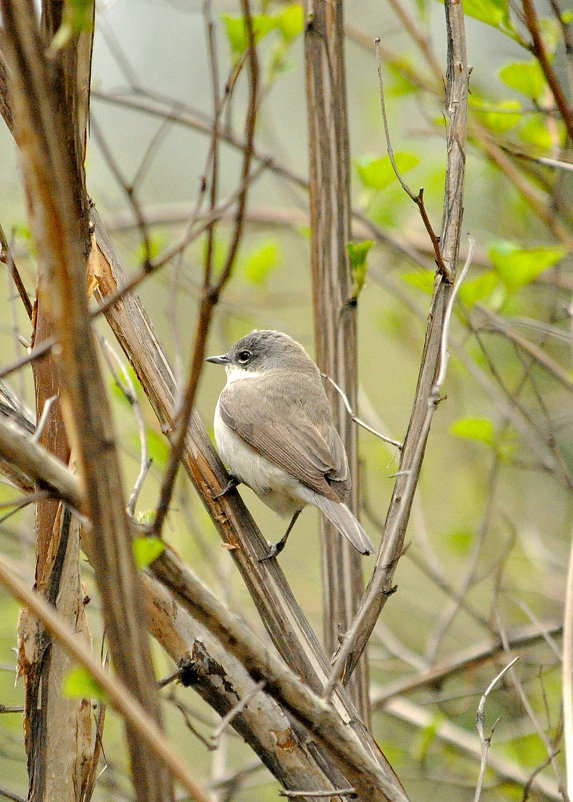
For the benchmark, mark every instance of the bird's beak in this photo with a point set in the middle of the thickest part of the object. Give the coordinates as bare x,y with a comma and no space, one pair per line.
218,360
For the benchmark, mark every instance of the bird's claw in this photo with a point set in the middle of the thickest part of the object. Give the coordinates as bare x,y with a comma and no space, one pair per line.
231,485
274,549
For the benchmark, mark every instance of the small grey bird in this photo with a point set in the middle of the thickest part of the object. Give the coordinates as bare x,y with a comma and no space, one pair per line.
274,429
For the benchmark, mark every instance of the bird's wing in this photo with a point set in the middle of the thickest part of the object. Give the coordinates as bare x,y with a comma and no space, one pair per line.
310,451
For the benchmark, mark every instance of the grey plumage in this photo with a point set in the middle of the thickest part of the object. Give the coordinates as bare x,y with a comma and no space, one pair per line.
274,428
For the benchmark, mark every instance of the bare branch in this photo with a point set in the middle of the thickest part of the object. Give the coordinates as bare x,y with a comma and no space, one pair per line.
480,719
419,198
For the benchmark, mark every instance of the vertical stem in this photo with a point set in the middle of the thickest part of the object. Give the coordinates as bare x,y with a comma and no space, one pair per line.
334,314
57,208
54,723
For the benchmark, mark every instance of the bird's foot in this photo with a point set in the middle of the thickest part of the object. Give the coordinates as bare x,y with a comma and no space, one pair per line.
274,549
231,485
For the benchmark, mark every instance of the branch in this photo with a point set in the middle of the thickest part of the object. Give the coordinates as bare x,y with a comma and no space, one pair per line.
280,612
211,293
567,673
120,696
53,178
340,742
433,364
532,24
480,719
217,676
419,198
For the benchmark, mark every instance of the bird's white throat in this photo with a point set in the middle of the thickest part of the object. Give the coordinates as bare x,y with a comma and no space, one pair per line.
235,372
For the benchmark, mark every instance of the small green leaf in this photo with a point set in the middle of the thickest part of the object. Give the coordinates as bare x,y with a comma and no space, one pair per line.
520,266
551,34
260,262
425,737
79,684
492,12
480,429
156,242
567,16
524,76
460,541
498,116
377,173
290,21
534,131
77,17
157,446
401,68
478,288
237,34
358,255
146,549
145,517
421,279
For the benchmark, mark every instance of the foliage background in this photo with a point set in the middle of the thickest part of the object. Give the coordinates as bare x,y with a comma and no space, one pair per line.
490,530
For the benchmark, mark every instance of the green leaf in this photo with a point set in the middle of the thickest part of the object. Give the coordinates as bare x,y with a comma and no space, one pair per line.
460,540
236,30
421,279
567,16
498,116
77,17
535,131
146,549
520,266
478,288
260,262
156,242
524,76
79,684
358,255
551,34
377,173
425,737
401,68
145,517
480,429
492,12
290,21
157,446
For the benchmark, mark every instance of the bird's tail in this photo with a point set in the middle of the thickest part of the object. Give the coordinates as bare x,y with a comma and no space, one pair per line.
338,514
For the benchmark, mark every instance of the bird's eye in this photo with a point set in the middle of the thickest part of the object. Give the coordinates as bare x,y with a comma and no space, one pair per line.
244,356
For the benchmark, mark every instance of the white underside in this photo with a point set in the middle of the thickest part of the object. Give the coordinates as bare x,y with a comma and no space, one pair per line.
278,489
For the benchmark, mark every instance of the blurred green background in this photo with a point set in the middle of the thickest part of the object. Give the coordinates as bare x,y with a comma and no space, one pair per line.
492,518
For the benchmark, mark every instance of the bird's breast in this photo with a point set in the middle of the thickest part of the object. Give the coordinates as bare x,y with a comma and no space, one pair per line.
275,486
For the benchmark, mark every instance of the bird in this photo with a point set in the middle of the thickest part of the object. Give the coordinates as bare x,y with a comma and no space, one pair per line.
274,429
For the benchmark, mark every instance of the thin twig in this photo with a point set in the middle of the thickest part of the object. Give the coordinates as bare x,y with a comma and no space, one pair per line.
377,585
539,51
355,418
11,795
44,417
211,293
419,198
7,257
540,730
37,352
128,189
128,389
350,792
567,673
234,711
480,719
